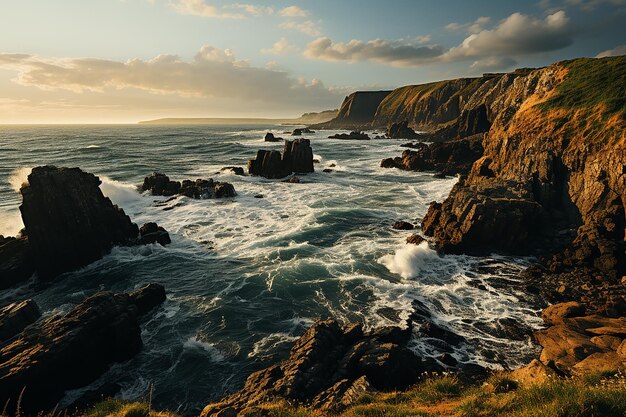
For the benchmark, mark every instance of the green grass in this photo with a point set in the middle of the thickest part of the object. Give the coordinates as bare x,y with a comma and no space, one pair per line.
591,82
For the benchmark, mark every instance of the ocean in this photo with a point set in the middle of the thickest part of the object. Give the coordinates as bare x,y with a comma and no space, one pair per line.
246,276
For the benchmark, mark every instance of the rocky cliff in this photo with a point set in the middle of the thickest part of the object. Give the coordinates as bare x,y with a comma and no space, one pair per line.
552,178
357,110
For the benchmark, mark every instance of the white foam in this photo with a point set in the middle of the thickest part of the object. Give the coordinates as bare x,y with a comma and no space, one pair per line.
120,193
215,354
11,223
268,344
19,177
410,260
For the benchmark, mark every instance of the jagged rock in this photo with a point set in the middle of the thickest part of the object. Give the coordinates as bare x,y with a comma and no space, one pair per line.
357,109
297,157
69,351
402,225
153,233
355,135
69,222
236,170
148,297
533,373
329,366
401,130
16,316
160,184
600,362
555,314
16,262
415,239
430,329
449,158
471,122
269,137
606,342
299,132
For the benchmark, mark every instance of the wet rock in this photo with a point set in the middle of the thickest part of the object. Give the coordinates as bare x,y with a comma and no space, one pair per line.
555,314
269,137
327,170
415,239
16,316
299,132
331,366
447,359
69,351
433,330
401,130
235,170
69,222
402,225
391,163
258,196
160,184
297,157
153,233
16,262
355,135
148,297
293,180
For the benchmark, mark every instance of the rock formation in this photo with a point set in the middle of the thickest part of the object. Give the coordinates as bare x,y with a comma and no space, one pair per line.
329,367
354,135
71,350
357,110
16,316
235,170
16,261
269,137
160,184
297,157
449,158
401,130
68,221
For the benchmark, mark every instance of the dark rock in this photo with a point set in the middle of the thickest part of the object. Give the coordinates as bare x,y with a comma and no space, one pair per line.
327,170
148,297
153,233
269,137
471,122
160,184
440,175
447,359
327,364
316,161
16,316
68,220
402,225
16,261
236,170
433,330
258,196
69,351
391,163
293,180
299,132
417,145
297,157
401,130
355,135
415,239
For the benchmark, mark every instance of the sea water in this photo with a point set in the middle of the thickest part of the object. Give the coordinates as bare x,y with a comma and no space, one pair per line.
246,276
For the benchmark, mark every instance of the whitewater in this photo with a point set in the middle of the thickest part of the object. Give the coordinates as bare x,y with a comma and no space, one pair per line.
246,276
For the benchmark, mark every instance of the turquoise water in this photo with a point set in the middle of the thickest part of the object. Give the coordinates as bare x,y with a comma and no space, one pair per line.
246,276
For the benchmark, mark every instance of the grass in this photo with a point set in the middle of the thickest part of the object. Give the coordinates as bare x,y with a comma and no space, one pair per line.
599,395
591,82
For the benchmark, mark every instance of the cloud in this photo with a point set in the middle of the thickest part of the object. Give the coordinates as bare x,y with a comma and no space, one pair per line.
473,27
617,51
587,5
308,27
201,8
293,11
282,46
212,72
386,52
516,35
493,64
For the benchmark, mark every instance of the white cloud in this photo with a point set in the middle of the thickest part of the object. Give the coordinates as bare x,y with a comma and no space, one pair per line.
201,8
473,27
308,27
282,46
493,64
617,51
212,73
517,35
293,11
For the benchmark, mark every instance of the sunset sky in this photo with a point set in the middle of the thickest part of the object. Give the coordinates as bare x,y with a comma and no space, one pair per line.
113,61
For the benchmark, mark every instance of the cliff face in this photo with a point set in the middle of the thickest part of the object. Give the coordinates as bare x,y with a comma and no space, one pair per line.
552,176
357,110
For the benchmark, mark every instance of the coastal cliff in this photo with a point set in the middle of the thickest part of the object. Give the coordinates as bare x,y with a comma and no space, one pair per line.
357,110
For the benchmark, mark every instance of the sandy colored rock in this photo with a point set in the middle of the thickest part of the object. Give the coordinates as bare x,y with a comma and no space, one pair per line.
600,362
555,314
533,373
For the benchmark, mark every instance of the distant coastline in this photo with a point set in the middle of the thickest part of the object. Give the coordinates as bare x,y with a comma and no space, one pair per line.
307,118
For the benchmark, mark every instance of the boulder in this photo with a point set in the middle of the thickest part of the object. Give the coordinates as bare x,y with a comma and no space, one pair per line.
160,184
16,261
555,314
331,367
68,221
235,170
401,130
533,373
297,157
269,137
402,225
415,239
153,233
600,362
16,316
69,351
391,163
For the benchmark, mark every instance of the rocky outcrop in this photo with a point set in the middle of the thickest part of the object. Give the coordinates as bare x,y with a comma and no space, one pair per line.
68,221
153,233
160,184
16,316
471,122
354,135
16,261
330,367
357,110
401,130
235,170
402,225
269,137
551,180
70,351
297,157
448,158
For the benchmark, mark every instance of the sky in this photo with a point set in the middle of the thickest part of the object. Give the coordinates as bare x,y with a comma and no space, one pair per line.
122,61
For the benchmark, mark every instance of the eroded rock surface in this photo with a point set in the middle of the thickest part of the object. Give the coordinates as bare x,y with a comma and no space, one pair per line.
297,157
160,184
